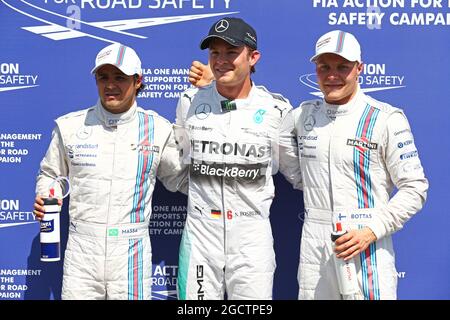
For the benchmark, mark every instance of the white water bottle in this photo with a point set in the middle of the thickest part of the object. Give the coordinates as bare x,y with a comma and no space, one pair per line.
345,270
50,231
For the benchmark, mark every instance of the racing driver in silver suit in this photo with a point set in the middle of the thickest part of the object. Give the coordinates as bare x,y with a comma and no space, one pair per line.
236,136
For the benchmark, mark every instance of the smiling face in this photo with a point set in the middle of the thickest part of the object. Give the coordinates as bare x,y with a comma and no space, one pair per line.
337,77
116,90
231,67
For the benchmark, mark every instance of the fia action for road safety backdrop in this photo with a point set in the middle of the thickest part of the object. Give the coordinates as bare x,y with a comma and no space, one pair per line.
47,51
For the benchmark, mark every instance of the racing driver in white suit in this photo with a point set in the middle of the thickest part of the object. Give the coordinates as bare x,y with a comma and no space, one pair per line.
112,154
353,151
237,135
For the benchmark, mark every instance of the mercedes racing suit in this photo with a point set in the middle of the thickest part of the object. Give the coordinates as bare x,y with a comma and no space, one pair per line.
351,158
234,147
112,161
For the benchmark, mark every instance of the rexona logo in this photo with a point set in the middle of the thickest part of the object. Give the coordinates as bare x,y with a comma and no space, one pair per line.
373,78
13,78
70,25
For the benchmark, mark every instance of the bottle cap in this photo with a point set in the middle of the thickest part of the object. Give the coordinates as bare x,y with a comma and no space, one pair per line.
50,201
51,189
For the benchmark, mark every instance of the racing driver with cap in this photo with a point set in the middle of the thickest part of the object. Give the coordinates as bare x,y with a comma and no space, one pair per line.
237,136
112,153
353,151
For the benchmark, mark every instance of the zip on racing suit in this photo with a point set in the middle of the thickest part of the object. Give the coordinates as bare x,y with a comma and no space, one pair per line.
351,158
234,147
112,161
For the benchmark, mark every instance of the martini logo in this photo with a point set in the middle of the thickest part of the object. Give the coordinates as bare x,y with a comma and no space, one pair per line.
362,144
145,147
12,77
375,77
68,24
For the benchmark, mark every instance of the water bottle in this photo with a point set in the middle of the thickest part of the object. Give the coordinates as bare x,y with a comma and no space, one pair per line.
50,231
345,270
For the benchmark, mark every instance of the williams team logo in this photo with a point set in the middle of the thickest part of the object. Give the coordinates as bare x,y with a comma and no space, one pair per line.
373,78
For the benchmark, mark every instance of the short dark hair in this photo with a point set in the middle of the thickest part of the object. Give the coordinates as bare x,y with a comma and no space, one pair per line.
142,86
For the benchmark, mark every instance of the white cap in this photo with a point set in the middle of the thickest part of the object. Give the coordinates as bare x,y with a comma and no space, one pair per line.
338,42
120,56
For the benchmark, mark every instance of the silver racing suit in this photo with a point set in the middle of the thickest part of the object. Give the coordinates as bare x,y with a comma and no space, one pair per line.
234,148
352,156
112,162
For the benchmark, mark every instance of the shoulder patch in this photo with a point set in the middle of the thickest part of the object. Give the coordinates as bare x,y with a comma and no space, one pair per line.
153,114
77,113
278,96
274,95
311,104
382,106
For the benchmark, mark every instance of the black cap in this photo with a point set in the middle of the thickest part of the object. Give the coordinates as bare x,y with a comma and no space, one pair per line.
235,31
50,201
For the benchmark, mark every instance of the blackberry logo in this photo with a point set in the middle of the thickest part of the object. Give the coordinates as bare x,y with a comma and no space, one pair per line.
231,171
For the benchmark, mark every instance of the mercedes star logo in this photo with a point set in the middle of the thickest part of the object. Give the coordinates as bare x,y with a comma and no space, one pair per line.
309,123
202,111
84,132
222,26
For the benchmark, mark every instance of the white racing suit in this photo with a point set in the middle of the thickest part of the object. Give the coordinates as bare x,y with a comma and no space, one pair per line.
351,158
227,243
112,162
